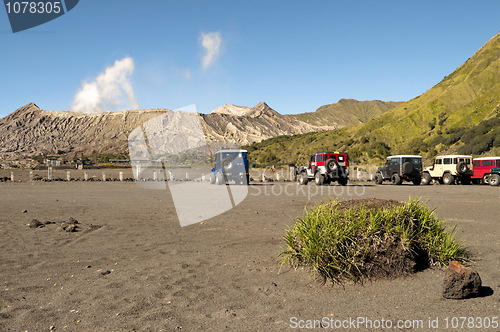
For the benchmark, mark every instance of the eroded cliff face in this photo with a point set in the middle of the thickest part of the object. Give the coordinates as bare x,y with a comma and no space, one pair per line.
32,131
254,125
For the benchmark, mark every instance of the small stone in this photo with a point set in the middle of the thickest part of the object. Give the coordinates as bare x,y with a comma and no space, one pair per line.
71,228
105,272
88,266
25,211
35,224
460,282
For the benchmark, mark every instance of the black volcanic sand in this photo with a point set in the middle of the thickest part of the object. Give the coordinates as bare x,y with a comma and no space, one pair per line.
140,271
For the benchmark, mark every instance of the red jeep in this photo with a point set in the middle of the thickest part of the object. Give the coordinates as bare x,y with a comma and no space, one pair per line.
325,167
482,169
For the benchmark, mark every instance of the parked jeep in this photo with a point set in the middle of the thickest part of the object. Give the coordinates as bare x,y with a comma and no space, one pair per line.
482,169
400,168
494,177
230,165
449,169
326,167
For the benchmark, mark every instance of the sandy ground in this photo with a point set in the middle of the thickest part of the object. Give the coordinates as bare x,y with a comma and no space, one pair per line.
219,275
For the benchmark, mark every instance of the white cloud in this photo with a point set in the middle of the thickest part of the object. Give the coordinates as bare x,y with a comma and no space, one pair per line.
211,42
187,74
110,91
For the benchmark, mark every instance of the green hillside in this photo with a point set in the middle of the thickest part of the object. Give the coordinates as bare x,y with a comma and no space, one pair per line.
346,112
461,114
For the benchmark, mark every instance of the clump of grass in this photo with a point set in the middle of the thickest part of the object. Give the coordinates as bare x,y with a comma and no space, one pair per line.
369,239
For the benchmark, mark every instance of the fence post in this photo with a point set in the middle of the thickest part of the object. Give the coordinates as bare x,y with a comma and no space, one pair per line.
103,176
49,173
121,176
85,176
68,176
137,171
293,175
31,176
12,176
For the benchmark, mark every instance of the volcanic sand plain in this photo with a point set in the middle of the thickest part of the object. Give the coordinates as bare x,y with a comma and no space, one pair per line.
131,267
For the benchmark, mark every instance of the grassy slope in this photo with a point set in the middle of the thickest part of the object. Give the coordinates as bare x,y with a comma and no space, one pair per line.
460,114
346,112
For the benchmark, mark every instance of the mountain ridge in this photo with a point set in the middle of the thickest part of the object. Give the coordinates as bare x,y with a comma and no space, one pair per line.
29,130
345,112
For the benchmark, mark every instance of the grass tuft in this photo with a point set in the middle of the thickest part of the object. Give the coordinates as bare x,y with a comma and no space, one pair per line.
364,239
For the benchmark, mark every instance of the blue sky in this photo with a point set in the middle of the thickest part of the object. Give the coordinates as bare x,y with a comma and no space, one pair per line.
294,55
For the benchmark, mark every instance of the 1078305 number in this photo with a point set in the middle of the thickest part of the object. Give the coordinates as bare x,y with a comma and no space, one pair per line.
33,7
471,322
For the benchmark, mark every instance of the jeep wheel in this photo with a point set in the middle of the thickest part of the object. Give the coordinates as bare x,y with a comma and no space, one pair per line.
407,168
319,179
379,178
462,168
448,179
303,179
331,165
343,181
485,179
494,180
426,179
227,164
417,181
396,179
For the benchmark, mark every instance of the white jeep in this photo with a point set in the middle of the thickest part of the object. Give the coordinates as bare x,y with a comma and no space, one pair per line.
449,169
